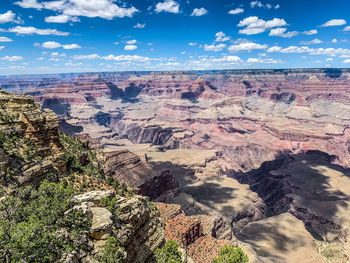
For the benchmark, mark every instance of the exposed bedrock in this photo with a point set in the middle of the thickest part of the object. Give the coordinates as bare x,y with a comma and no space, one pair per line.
128,168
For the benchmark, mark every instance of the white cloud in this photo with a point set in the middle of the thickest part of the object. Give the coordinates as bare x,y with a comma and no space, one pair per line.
310,32
92,56
192,44
5,39
9,16
347,28
169,6
281,32
314,41
342,52
106,9
268,6
334,22
70,64
29,30
254,25
131,42
274,49
126,58
227,59
214,48
53,45
346,61
138,25
334,40
56,54
256,3
277,6
221,37
29,4
12,58
2,47
71,46
248,46
236,11
61,19
199,11
264,60
130,47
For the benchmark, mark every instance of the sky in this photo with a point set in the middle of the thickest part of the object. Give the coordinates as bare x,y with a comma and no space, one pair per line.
63,36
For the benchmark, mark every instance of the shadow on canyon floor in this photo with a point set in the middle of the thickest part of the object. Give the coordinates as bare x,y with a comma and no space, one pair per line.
308,186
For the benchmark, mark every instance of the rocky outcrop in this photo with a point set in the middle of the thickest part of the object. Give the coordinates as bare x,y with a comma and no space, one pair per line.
134,222
29,140
127,167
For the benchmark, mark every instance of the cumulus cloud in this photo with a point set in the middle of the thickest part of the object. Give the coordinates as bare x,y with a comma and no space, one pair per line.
214,48
334,22
9,16
5,39
310,32
281,32
264,60
53,45
227,59
221,37
347,28
126,58
314,41
236,11
138,25
29,30
256,3
92,56
169,6
334,40
199,11
192,44
106,9
248,46
346,61
130,47
131,42
274,49
253,25
61,19
12,58
342,52
2,47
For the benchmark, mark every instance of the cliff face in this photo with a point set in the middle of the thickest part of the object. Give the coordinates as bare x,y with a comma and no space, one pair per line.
30,143
133,221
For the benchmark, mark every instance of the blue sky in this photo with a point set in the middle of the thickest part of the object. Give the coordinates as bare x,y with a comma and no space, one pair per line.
116,35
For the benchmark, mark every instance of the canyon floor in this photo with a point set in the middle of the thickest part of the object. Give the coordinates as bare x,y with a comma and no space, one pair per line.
261,156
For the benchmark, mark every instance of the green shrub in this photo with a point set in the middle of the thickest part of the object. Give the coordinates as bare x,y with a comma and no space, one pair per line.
169,253
112,252
229,254
32,222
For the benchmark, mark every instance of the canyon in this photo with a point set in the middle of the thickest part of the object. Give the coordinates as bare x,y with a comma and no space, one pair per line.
256,158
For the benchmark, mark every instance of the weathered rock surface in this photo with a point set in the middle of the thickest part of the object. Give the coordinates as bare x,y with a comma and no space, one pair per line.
30,142
133,221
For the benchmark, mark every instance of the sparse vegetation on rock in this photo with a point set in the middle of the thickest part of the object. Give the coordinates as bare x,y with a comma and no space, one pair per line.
229,254
169,253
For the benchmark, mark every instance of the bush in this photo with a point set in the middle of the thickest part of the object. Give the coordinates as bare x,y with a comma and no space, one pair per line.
32,224
229,254
169,253
112,252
